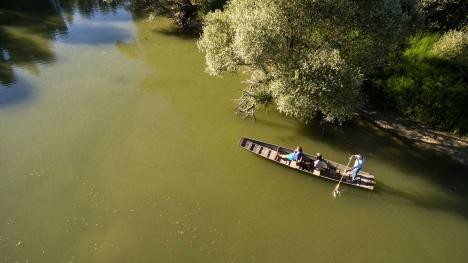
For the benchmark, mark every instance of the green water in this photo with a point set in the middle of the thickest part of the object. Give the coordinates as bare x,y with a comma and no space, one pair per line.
115,146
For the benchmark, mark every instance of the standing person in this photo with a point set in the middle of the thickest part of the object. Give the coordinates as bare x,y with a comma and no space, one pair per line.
357,166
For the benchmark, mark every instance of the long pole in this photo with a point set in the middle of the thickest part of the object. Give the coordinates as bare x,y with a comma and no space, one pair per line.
336,191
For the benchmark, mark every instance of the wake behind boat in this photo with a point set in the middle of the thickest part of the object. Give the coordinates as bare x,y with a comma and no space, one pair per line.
331,171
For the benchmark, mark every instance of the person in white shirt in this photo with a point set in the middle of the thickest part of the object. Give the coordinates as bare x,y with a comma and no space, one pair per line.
318,163
357,166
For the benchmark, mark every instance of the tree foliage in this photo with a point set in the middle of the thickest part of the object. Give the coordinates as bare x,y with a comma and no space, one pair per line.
444,15
183,12
453,45
206,6
305,56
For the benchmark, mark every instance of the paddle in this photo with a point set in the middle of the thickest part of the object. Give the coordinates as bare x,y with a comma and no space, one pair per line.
336,191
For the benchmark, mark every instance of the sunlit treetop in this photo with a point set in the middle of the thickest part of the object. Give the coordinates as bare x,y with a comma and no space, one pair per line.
305,57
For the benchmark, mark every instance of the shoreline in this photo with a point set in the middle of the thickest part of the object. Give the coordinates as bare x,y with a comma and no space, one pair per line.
444,143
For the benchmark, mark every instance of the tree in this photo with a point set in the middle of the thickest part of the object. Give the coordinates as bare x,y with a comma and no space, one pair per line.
183,12
305,57
443,15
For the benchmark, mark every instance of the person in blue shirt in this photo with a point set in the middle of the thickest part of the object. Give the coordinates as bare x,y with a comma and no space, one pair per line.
357,166
294,156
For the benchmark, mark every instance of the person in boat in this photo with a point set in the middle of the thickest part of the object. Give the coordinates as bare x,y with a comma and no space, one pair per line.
319,163
297,155
358,163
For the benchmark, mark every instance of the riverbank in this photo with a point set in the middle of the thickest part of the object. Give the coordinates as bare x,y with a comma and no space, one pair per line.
444,143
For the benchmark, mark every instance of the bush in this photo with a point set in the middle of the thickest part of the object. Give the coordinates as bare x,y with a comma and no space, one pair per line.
430,83
443,15
453,45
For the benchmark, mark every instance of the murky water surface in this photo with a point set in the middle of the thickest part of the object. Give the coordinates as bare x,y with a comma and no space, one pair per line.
115,146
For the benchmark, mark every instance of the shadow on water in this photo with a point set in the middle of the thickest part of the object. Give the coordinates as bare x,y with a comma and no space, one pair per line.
175,32
361,136
423,201
269,123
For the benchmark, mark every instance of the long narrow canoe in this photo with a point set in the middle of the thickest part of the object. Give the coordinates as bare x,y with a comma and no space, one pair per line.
331,171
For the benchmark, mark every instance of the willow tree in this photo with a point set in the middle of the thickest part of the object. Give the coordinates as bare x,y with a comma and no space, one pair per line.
304,56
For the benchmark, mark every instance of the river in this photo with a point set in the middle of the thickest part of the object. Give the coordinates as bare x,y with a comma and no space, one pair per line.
116,146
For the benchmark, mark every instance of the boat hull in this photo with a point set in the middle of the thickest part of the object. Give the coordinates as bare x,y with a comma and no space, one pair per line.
331,171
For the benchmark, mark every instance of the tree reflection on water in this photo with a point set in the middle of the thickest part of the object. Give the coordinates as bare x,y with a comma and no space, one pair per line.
27,29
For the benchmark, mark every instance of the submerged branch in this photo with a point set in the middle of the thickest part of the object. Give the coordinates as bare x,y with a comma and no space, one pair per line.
247,104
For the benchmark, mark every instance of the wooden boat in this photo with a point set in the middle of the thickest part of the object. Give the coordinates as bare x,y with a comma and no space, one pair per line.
331,171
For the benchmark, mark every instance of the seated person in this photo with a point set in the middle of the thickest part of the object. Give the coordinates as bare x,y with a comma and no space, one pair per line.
294,156
319,163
